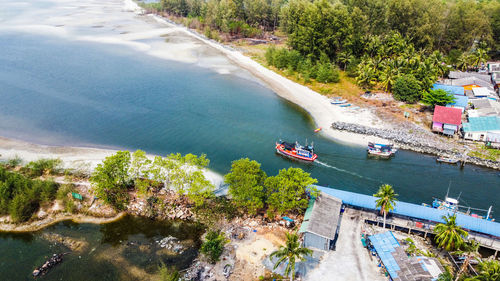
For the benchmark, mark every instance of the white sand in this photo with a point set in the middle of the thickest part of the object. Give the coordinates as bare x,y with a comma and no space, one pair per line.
73,157
317,105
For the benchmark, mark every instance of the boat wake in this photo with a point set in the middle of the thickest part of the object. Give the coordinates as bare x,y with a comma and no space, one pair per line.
345,171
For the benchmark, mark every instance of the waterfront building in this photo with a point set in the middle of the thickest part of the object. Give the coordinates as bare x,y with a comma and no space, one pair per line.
321,221
477,128
446,120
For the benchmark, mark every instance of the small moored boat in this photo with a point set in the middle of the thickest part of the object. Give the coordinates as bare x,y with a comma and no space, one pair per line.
296,150
317,130
447,160
338,101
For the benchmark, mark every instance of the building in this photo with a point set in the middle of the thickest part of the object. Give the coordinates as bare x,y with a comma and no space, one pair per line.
482,92
484,107
446,120
460,102
459,75
397,263
321,222
455,90
477,128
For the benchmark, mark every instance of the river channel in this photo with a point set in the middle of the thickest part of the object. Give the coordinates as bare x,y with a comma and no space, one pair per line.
60,91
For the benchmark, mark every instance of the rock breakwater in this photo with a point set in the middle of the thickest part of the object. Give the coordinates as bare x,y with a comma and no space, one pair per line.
412,137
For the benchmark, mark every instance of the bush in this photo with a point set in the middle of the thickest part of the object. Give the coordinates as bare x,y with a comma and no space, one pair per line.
437,97
327,73
42,166
213,245
22,207
407,89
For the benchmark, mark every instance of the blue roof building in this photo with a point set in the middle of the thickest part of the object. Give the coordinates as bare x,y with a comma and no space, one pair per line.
477,128
455,90
415,211
397,263
460,102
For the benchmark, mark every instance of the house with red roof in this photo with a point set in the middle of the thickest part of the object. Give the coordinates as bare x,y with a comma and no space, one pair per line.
446,120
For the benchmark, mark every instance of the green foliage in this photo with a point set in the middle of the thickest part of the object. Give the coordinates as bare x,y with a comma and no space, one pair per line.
449,235
42,166
386,199
14,162
20,197
488,270
168,274
213,246
246,184
437,97
328,73
287,191
407,89
445,276
290,254
111,179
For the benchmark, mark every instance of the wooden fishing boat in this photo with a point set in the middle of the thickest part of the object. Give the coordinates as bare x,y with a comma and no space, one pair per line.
296,151
345,105
381,150
338,101
317,130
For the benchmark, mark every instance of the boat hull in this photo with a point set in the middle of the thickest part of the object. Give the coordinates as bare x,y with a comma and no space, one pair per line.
281,151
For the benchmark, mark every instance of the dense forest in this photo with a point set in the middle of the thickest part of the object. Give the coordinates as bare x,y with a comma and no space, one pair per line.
376,41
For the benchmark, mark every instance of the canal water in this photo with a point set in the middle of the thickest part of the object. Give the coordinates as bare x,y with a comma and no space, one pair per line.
127,249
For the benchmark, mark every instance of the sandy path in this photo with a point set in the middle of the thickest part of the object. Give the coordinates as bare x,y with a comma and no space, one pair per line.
350,261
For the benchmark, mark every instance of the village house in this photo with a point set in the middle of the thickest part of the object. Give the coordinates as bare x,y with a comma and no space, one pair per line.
446,120
460,102
484,128
455,90
483,107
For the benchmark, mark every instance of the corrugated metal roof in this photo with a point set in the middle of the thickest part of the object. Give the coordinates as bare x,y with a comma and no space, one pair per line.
385,244
447,115
415,211
456,90
322,219
482,124
460,101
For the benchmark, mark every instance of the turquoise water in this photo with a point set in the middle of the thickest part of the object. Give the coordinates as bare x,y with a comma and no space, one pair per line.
74,93
122,250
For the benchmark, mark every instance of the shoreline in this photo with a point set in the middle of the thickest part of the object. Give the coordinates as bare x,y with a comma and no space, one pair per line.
316,105
37,225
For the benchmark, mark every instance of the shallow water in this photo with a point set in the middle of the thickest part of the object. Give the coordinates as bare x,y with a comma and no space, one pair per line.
123,250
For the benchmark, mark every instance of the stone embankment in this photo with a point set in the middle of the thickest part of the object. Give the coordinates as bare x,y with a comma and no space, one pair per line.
412,137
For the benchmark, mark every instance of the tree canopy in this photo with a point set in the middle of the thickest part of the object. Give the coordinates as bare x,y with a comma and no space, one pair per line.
449,235
437,97
386,199
246,184
287,191
290,253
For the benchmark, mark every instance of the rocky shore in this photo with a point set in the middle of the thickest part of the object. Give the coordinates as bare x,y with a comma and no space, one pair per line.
412,137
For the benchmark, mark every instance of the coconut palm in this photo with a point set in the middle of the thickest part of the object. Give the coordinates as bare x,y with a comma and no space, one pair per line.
480,56
488,271
289,253
387,199
449,235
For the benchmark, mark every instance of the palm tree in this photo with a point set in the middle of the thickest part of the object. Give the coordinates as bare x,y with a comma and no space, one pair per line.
449,235
290,253
387,199
469,251
488,271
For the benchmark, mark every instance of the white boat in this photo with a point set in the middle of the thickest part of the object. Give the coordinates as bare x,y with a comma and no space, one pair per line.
381,150
338,101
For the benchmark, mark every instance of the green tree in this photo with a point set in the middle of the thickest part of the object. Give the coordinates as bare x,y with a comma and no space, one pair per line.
407,89
22,207
445,276
437,97
287,190
488,271
290,254
449,235
386,199
213,245
111,179
168,274
246,184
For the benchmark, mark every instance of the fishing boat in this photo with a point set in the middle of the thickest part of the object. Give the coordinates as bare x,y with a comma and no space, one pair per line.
452,205
345,105
49,264
447,160
296,150
317,130
338,101
381,150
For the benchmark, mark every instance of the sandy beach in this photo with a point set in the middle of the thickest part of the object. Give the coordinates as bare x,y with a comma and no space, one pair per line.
317,105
